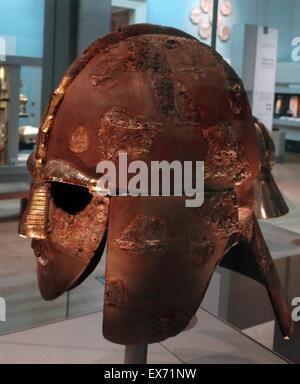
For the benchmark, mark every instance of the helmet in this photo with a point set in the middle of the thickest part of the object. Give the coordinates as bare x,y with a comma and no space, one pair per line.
158,95
269,202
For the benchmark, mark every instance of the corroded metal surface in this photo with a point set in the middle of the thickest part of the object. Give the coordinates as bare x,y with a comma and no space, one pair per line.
80,141
269,202
183,103
133,135
157,94
162,279
71,246
64,172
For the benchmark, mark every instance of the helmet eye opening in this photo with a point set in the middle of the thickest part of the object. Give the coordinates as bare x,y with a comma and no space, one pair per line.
70,198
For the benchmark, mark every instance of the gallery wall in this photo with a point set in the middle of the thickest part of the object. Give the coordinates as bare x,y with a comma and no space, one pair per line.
281,14
22,23
23,20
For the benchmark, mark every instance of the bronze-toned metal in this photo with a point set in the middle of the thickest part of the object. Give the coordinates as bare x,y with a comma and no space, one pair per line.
63,172
34,222
157,94
161,257
251,257
31,163
80,141
74,245
269,202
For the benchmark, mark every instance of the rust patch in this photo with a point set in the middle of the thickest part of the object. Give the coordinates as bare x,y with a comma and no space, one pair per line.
75,235
201,251
173,44
221,210
121,132
106,72
145,56
236,97
144,235
225,161
116,294
187,108
169,325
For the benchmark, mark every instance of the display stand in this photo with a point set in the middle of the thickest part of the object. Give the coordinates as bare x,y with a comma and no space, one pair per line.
136,354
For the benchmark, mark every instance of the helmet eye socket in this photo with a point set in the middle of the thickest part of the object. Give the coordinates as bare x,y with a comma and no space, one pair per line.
70,198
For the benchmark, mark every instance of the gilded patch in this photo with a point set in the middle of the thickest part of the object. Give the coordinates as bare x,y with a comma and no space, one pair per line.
80,140
225,161
144,235
120,131
169,325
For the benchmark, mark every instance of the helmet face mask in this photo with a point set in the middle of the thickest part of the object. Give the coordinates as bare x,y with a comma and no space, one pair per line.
161,258
156,94
76,230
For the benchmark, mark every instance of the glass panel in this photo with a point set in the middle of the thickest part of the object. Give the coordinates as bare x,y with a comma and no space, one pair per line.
22,24
21,77
270,69
261,40
22,28
31,88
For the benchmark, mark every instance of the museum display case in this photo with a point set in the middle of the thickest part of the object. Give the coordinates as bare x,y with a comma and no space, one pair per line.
19,115
213,81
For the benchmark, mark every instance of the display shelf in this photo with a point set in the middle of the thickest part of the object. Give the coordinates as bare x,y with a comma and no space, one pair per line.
290,126
11,173
287,122
288,76
78,341
288,90
288,83
15,179
23,61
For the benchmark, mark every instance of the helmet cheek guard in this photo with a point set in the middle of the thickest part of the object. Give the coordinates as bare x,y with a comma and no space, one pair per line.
155,94
161,258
